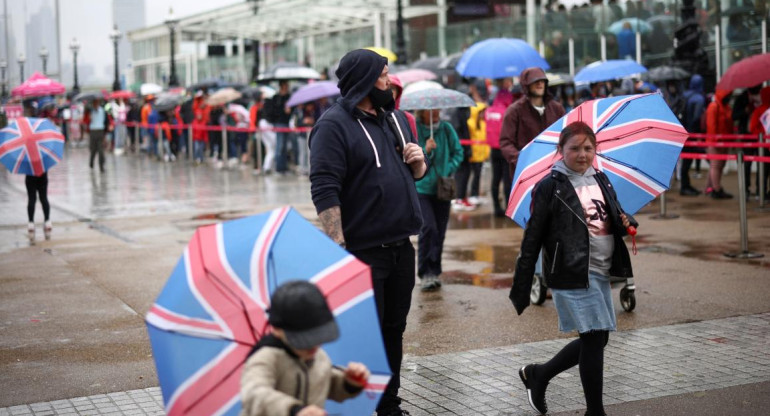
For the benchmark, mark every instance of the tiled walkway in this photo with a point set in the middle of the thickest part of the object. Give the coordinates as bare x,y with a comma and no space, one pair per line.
639,364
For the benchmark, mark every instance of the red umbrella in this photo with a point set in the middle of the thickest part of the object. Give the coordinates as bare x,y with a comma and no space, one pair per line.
38,85
746,73
124,94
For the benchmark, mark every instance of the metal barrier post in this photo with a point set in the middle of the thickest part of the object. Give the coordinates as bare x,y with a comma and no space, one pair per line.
258,144
761,187
189,142
663,215
225,157
744,253
571,45
159,133
137,136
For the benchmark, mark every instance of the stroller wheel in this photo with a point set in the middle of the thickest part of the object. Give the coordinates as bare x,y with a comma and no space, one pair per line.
539,290
627,299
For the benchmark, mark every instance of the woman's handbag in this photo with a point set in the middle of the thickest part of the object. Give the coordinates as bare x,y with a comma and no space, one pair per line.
445,188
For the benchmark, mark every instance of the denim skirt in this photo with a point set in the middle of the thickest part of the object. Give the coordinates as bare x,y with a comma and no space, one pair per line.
586,310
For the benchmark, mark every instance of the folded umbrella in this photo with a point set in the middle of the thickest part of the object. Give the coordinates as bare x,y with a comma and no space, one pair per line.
212,310
499,58
609,70
638,144
30,146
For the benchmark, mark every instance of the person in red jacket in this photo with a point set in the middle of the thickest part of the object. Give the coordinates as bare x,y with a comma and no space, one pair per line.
494,124
719,120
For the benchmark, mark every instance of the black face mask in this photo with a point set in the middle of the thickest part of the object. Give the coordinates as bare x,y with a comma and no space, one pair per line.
380,98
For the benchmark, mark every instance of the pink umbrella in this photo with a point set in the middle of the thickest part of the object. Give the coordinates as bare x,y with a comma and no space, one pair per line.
38,85
125,94
409,76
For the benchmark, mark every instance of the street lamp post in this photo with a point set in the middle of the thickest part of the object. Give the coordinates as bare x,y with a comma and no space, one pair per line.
44,56
3,66
400,42
75,47
172,23
21,61
115,36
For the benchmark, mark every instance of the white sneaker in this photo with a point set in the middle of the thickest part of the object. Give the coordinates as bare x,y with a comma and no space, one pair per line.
475,200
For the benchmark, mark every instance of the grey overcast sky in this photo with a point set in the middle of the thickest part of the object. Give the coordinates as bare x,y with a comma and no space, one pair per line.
90,21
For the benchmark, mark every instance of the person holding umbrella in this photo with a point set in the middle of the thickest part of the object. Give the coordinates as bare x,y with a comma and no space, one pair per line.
37,185
440,142
363,165
581,255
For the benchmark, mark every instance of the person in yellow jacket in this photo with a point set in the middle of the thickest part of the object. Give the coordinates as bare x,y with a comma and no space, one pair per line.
477,126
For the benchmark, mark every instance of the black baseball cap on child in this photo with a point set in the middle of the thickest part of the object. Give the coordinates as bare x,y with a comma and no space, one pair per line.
300,310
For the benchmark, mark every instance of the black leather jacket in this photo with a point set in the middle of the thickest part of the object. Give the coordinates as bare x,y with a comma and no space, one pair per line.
558,226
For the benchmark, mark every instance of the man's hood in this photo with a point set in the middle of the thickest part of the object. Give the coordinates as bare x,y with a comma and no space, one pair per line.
529,76
357,73
696,83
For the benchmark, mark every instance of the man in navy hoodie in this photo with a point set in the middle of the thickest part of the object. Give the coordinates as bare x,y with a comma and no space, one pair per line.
364,163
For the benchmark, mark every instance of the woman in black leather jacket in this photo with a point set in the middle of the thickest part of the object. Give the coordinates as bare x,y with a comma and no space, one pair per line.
579,224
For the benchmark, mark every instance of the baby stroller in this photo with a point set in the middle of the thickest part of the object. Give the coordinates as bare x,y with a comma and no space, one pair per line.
539,289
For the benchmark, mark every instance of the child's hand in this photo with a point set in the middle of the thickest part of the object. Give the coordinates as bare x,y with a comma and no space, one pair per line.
357,374
312,410
626,222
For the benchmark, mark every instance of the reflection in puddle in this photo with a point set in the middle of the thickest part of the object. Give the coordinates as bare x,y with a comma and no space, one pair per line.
497,271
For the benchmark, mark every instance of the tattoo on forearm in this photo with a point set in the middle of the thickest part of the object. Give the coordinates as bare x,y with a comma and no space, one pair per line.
331,220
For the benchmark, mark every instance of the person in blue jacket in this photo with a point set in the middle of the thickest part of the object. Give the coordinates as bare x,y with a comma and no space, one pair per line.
440,142
364,162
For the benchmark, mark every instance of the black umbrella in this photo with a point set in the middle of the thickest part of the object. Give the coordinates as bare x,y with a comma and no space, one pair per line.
87,96
167,102
205,84
666,73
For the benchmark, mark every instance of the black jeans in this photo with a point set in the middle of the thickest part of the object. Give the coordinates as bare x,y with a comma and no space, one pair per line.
392,281
435,217
463,175
500,173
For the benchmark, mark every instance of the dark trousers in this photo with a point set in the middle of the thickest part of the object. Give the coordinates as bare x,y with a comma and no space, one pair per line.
463,176
37,185
684,170
500,173
392,281
96,145
435,217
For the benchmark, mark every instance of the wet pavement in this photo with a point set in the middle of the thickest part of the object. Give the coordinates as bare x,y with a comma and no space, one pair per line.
71,309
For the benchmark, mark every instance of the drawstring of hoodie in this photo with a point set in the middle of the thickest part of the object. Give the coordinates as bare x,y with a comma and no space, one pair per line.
403,140
376,154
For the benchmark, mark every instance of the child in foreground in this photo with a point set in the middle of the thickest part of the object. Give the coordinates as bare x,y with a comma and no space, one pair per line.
288,374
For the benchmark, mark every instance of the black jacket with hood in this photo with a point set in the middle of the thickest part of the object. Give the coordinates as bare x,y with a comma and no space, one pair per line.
356,161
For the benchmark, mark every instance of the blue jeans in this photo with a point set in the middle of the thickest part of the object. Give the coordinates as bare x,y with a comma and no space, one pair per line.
198,148
283,140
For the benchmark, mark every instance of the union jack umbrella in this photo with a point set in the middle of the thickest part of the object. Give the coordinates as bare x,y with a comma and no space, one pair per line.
638,143
211,312
30,146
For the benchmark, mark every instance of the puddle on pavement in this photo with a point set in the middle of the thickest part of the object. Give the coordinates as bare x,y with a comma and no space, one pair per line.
479,221
497,273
